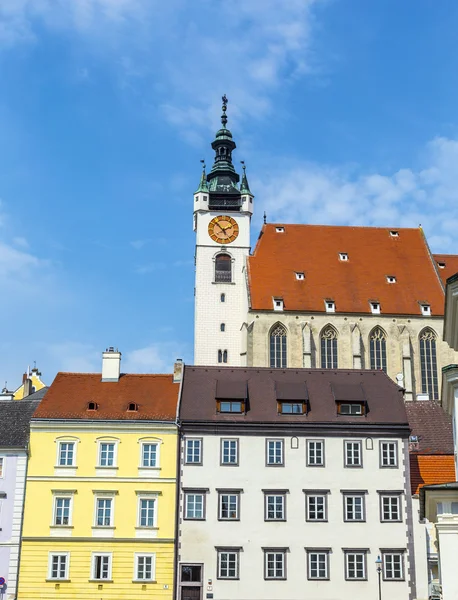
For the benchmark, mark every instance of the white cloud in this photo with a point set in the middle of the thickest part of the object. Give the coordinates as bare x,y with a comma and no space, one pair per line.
155,358
311,193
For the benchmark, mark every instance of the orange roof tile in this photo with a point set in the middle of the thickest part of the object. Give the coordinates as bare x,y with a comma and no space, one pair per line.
373,254
70,393
451,265
428,469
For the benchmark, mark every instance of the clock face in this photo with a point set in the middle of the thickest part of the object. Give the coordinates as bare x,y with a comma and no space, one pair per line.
223,230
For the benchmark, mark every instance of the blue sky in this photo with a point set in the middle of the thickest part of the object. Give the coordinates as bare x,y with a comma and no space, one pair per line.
344,111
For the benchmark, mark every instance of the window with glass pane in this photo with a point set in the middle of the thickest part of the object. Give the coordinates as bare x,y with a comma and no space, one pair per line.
191,573
145,567
393,566
234,406
58,566
353,456
316,508
389,454
274,452
194,506
347,408
377,349
101,566
391,509
292,408
229,506
354,508
66,454
228,565
355,564
193,453
278,341
107,454
147,508
428,364
275,565
229,452
318,565
149,455
315,453
62,511
329,348
104,512
275,507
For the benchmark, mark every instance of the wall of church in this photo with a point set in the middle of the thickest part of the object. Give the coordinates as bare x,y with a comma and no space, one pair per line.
353,331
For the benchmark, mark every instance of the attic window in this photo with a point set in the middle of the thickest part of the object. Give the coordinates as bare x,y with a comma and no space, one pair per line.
231,406
132,407
413,439
92,406
330,306
280,229
391,278
343,256
291,408
426,310
441,265
350,408
300,276
375,308
278,303
394,233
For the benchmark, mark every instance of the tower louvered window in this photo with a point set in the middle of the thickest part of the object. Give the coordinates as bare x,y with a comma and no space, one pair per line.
428,364
223,268
378,349
278,351
329,348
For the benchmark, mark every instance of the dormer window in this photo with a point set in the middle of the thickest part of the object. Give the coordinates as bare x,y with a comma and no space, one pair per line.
92,406
231,406
291,408
343,256
280,229
132,407
330,306
231,396
394,233
350,408
300,276
426,310
441,265
413,439
391,279
375,308
278,303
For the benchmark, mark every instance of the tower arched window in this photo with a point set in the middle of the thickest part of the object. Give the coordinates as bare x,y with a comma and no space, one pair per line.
278,345
329,348
223,268
377,349
428,364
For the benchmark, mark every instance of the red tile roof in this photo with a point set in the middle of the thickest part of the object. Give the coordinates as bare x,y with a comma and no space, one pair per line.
426,470
70,393
451,265
433,427
373,254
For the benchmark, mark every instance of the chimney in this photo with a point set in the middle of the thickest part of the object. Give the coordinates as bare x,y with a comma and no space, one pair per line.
27,383
111,364
6,396
178,370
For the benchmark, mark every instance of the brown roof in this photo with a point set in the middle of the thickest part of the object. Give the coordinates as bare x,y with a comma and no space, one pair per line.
384,398
451,265
70,393
373,254
433,427
427,470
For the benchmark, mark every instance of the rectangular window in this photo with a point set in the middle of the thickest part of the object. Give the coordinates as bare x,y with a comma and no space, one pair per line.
275,507
354,508
104,512
107,453
388,454
393,567
275,452
229,506
194,505
292,408
62,511
149,455
316,507
348,408
66,454
147,510
318,565
228,564
234,406
145,567
315,453
355,565
101,566
193,452
275,564
58,566
230,452
391,508
353,454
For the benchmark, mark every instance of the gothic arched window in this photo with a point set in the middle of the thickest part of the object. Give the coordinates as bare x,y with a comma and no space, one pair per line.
329,348
223,268
278,346
377,345
428,364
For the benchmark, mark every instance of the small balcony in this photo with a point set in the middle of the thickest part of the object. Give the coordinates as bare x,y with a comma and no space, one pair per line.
223,276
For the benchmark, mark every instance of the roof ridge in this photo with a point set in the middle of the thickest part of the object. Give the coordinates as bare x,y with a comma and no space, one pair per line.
389,228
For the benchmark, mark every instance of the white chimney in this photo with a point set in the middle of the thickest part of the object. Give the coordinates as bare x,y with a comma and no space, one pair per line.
111,364
178,370
6,395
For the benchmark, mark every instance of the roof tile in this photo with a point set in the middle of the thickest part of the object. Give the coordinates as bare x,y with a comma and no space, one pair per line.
451,265
426,470
433,426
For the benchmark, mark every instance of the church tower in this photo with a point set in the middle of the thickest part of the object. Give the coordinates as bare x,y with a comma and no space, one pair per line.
222,216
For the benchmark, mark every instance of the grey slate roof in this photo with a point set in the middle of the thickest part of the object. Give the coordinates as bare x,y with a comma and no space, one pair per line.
15,418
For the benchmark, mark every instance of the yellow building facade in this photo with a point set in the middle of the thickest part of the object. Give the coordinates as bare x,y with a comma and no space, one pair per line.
99,519
31,383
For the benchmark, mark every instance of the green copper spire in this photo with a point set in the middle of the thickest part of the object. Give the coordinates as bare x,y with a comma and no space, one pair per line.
203,187
222,177
244,186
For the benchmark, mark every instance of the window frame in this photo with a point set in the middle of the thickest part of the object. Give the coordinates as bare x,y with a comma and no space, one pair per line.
144,443
275,551
278,349
274,494
146,498
218,276
236,552
59,450
94,556
378,355
353,466
390,495
310,441
316,494
62,496
282,446
201,444
237,445
355,552
329,345
100,443
51,555
137,556
318,551
393,553
429,377
104,496
196,492
353,494
396,454
228,492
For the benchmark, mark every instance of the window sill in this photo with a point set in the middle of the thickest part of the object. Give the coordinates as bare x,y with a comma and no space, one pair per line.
223,282
100,581
58,580
61,526
144,581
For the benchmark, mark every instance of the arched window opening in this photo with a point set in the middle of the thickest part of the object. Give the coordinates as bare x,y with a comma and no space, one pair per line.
132,406
225,356
223,327
329,348
278,347
378,349
428,364
223,268
222,356
223,297
92,406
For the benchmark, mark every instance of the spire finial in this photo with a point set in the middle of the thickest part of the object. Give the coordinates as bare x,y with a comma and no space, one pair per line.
265,218
203,187
244,187
224,116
